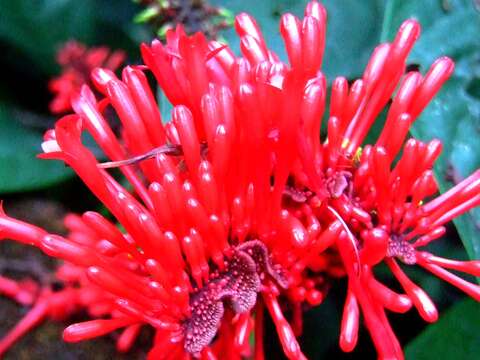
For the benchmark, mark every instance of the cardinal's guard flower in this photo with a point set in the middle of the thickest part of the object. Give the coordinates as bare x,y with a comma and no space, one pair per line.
76,62
236,206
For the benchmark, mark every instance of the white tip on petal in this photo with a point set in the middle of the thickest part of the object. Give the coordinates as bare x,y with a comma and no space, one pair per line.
50,146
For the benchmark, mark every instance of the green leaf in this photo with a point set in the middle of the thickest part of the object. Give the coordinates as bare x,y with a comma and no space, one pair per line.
20,170
453,116
353,30
454,336
322,327
114,26
165,106
37,28
427,12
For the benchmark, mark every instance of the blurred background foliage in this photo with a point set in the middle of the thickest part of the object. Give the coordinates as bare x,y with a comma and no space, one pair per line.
31,31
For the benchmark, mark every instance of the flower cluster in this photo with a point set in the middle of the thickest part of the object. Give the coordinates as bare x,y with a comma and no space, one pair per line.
77,61
237,206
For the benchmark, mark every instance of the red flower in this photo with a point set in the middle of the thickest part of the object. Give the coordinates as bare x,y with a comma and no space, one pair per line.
23,292
380,207
239,205
77,61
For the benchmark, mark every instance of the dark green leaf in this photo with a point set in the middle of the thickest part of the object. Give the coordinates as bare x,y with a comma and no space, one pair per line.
20,170
454,336
322,327
114,26
37,28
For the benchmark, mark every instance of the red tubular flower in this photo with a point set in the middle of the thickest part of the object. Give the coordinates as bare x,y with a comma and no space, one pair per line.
238,206
77,62
23,292
380,207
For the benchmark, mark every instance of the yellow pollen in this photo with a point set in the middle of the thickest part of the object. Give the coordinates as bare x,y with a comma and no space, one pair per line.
345,143
358,154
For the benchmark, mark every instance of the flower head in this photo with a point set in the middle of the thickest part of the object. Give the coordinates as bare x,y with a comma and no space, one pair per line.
77,61
237,204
